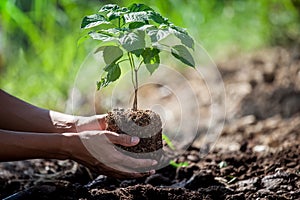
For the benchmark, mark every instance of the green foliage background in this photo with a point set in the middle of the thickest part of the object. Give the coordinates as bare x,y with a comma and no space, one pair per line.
39,56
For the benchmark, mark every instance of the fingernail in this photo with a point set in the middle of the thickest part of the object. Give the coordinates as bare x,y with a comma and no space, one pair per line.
135,139
152,172
154,162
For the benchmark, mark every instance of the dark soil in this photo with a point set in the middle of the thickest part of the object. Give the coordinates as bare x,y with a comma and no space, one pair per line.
145,124
256,157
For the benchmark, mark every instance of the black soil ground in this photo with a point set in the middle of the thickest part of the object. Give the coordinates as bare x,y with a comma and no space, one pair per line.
256,156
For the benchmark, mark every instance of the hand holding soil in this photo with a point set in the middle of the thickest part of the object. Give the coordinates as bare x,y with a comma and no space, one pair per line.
102,157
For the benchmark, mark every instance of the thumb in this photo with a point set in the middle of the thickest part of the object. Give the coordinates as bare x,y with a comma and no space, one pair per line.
123,139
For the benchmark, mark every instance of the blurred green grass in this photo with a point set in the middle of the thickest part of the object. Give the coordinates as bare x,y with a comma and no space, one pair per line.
39,56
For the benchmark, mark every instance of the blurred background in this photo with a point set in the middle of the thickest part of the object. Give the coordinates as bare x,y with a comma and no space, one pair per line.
39,56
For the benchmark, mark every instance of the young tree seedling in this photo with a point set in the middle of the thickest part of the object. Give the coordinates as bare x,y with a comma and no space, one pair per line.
135,34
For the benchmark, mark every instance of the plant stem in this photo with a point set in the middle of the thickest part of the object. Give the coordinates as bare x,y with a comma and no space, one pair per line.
135,89
121,61
131,68
140,64
134,78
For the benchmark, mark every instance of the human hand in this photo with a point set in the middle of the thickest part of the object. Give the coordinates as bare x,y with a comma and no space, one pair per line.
91,123
95,150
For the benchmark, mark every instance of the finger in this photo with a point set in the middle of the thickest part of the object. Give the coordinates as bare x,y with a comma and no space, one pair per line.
139,175
125,174
139,163
102,121
118,159
122,139
119,172
133,163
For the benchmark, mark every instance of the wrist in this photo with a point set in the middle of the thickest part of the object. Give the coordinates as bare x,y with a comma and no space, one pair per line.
61,151
69,143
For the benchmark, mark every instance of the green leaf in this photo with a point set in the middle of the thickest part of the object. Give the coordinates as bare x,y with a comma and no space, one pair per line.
177,28
101,36
168,141
102,45
182,53
168,41
114,14
158,34
184,38
148,42
147,27
115,31
151,59
152,67
136,17
177,165
156,17
133,41
135,25
102,83
145,16
138,52
139,7
105,35
109,7
93,20
114,73
82,39
111,54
